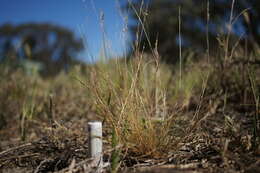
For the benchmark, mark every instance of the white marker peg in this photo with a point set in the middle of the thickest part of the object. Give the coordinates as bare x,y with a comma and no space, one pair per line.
95,142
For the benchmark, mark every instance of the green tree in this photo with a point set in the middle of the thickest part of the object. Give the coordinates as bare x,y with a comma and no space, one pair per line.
53,46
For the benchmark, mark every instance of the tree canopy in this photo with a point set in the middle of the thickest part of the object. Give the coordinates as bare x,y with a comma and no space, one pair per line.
196,18
53,46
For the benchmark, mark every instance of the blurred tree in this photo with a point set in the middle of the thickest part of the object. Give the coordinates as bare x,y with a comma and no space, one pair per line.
160,19
53,46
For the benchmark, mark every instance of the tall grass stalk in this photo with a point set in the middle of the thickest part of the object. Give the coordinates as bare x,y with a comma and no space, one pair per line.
27,113
229,27
180,45
256,93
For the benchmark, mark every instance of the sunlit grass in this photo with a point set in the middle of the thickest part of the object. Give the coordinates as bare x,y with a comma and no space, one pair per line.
132,98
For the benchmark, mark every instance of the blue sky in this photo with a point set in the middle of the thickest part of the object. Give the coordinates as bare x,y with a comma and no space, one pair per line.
80,16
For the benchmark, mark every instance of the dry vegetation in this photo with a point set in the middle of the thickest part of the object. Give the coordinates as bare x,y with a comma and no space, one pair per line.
206,120
149,118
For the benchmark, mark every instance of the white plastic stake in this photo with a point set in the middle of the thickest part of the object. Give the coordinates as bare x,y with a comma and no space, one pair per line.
95,142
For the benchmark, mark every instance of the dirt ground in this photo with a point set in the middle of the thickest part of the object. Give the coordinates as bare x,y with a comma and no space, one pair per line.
218,145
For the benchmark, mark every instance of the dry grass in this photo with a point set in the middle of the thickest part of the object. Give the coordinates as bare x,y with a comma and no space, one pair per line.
146,113
130,97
